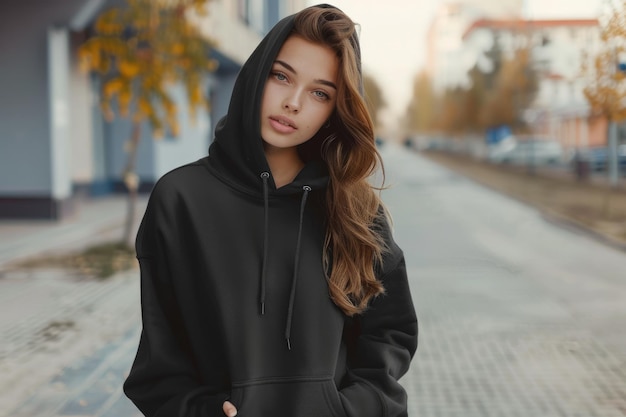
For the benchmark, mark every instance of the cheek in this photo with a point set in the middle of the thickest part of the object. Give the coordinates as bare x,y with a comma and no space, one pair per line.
313,126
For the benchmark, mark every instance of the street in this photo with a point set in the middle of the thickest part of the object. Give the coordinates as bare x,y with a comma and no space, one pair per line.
518,316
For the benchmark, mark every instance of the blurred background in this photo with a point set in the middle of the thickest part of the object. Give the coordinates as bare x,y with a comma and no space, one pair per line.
472,100
463,76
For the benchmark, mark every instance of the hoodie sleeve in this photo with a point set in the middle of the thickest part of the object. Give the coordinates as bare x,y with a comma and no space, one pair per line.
383,343
163,381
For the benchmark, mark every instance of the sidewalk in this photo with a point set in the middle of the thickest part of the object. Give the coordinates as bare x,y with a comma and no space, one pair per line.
95,220
591,206
55,324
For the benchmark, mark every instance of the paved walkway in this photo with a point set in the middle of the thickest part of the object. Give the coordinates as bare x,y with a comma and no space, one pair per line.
67,341
94,220
508,327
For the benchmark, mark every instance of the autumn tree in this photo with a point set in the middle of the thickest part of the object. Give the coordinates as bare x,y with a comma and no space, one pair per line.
606,89
515,89
139,51
374,98
475,99
497,97
420,113
451,117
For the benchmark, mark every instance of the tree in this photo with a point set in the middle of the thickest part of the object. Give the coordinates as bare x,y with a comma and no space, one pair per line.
139,51
374,98
420,112
451,117
475,100
515,88
606,90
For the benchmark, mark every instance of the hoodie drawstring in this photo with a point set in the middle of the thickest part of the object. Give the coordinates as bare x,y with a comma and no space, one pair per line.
296,263
292,296
264,176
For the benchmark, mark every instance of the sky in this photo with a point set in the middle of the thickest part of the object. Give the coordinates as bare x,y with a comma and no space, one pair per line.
393,38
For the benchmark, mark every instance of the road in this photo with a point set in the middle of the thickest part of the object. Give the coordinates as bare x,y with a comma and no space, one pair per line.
518,316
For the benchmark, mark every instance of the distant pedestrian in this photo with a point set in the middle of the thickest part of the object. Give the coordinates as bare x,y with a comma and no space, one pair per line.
581,166
271,283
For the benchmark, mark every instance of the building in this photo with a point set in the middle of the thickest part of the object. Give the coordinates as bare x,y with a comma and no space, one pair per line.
54,144
560,110
462,34
447,61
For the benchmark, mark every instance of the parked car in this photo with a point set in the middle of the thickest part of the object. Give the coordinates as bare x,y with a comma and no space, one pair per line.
526,150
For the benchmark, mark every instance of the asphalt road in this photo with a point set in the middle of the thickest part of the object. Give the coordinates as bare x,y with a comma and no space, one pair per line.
518,316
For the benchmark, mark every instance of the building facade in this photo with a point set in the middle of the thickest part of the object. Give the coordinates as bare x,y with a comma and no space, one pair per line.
560,110
447,60
55,145
462,35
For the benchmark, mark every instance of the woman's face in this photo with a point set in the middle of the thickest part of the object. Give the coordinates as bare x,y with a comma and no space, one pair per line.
300,93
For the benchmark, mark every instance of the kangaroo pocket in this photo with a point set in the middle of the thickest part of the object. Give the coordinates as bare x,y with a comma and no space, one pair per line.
287,397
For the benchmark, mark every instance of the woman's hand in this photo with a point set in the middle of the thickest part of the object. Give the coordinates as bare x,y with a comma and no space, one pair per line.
229,409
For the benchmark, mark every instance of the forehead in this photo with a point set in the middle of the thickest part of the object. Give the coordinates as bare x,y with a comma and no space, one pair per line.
309,59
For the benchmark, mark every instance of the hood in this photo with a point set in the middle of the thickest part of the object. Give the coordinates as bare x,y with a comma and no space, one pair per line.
237,149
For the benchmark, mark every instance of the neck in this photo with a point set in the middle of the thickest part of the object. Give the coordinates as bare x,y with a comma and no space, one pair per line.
285,164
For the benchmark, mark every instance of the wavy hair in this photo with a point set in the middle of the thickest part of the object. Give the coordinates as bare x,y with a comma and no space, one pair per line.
353,244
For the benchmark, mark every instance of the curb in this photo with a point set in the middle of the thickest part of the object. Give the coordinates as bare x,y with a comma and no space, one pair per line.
557,217
548,214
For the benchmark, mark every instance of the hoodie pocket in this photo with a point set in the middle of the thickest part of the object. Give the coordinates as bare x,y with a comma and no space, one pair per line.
292,397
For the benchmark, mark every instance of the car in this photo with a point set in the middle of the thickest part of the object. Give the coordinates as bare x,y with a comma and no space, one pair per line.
526,150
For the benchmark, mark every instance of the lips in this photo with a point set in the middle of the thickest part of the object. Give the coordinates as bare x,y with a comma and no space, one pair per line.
282,124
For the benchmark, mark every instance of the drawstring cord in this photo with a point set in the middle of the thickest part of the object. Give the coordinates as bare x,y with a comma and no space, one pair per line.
294,281
292,296
265,176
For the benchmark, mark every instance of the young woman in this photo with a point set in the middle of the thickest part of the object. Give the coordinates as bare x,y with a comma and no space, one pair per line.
271,284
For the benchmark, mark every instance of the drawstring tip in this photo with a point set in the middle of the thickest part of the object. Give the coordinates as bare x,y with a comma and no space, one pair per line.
262,308
288,344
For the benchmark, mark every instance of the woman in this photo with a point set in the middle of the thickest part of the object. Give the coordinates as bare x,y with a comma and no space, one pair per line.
271,284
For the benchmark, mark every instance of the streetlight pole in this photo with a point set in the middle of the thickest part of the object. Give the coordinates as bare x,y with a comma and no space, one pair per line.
613,157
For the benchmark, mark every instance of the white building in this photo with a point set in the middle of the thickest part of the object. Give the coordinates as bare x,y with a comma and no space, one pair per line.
447,59
461,34
560,109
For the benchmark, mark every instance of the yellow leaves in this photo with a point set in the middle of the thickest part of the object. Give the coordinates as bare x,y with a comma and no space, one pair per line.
178,48
144,106
112,87
606,87
109,23
140,50
128,69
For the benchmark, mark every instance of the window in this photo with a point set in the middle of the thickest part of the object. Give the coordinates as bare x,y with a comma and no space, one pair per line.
252,13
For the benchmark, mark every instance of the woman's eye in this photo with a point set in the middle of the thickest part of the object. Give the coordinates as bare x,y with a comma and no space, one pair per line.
279,76
321,94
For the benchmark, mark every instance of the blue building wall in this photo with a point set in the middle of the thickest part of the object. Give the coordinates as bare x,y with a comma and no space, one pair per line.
27,171
36,179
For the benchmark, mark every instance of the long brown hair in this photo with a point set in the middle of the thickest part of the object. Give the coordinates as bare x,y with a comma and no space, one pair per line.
353,242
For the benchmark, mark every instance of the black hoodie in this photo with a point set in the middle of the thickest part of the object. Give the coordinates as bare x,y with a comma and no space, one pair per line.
235,303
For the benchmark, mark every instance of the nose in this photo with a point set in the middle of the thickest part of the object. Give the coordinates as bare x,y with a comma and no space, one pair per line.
293,102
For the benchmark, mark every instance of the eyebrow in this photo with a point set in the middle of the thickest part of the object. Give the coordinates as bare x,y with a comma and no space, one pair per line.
317,80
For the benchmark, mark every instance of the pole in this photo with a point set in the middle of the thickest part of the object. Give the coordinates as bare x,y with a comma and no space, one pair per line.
612,155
